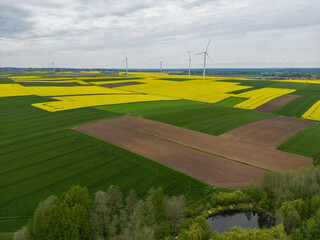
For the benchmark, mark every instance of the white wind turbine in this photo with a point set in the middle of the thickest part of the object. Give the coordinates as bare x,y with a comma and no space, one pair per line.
189,62
52,63
161,66
205,54
125,60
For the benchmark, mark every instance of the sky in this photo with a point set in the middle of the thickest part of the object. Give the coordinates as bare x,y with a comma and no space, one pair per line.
94,34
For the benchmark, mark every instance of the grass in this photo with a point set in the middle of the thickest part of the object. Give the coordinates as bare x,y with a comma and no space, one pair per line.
40,156
231,101
19,119
207,118
299,106
306,142
6,235
4,80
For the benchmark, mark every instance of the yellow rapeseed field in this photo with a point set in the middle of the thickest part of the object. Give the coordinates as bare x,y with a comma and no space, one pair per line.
313,113
196,90
11,90
261,96
67,103
156,87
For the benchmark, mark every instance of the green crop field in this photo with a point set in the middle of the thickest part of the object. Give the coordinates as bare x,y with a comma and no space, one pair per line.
40,156
306,142
231,101
256,84
299,106
207,118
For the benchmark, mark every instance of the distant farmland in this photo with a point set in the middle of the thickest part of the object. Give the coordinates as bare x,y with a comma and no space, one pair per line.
42,155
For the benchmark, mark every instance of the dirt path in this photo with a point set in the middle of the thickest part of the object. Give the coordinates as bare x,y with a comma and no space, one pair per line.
275,104
270,132
240,151
203,166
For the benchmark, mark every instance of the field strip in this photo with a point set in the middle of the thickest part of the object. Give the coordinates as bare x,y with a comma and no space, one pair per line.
205,167
120,84
277,103
255,155
270,132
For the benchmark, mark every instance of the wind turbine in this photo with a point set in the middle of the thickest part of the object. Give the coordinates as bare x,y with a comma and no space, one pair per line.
205,54
160,66
125,60
189,62
52,63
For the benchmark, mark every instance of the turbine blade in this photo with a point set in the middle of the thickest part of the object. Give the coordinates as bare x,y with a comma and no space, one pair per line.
123,62
209,57
208,44
200,53
124,53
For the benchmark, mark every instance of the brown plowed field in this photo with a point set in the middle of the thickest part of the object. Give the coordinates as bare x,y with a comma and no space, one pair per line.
203,166
240,151
275,104
268,132
121,84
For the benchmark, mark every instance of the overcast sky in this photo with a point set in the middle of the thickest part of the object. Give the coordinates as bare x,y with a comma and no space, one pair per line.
80,33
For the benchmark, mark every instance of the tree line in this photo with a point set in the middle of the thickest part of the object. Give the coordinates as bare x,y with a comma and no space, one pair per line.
293,197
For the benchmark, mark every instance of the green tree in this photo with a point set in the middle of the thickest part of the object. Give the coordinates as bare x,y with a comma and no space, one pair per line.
22,234
175,213
196,232
158,204
131,201
114,200
38,227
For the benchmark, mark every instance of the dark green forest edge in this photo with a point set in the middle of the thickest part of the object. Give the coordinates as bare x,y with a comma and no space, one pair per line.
292,197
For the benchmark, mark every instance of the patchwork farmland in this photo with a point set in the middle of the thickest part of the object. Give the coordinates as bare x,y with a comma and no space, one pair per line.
145,129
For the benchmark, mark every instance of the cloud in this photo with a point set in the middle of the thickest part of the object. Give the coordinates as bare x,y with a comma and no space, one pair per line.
39,29
12,21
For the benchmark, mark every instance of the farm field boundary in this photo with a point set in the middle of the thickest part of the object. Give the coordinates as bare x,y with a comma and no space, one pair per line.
268,132
254,155
211,169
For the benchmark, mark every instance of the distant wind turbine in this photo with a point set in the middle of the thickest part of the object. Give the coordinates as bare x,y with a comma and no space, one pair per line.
125,60
189,62
160,66
205,54
52,63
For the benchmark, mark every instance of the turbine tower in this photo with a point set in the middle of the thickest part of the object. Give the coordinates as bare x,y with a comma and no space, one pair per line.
160,67
125,60
52,63
189,62
205,54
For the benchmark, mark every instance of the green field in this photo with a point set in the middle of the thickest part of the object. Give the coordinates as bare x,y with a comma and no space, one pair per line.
40,156
299,106
4,80
207,118
231,101
306,142
256,84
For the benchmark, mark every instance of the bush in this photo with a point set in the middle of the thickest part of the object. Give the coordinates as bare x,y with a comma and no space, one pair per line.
224,198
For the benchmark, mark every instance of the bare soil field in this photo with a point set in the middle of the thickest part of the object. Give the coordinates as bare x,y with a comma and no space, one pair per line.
150,139
270,132
252,154
275,104
208,168
121,84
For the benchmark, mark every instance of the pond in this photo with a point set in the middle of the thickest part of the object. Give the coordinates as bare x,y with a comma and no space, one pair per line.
248,219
